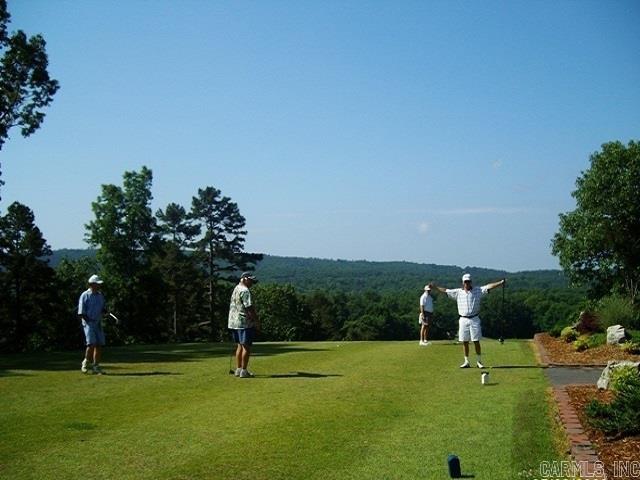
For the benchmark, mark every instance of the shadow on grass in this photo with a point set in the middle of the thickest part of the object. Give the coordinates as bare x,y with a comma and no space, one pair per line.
16,364
299,375
141,374
518,366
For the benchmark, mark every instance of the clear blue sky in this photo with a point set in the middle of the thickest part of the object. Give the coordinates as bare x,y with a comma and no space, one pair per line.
430,131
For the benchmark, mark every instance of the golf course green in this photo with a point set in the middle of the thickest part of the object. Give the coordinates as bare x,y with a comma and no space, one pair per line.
326,410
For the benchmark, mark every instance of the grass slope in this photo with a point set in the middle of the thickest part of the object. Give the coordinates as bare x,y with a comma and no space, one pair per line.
369,410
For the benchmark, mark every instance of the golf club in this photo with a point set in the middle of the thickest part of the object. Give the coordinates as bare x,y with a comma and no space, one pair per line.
231,370
115,318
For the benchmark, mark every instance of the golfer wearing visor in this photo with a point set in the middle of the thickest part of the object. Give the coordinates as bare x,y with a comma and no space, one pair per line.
468,298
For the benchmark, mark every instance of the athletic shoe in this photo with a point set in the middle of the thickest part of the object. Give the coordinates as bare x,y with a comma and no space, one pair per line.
427,343
245,374
465,365
84,368
237,372
97,370
422,344
479,365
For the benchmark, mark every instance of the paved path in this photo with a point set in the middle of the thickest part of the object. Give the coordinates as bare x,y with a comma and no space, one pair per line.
573,375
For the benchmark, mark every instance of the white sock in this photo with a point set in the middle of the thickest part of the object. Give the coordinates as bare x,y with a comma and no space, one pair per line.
466,359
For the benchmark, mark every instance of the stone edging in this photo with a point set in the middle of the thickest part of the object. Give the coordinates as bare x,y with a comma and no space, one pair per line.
580,446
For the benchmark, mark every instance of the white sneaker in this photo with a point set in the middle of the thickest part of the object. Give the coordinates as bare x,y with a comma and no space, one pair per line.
97,370
84,368
237,372
422,344
245,374
427,343
465,365
479,365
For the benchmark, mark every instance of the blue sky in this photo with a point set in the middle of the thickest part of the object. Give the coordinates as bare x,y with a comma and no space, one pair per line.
431,131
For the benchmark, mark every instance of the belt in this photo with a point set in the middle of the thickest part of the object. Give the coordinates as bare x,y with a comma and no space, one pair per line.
469,316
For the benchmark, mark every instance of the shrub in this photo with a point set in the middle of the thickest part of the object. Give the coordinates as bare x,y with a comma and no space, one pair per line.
556,330
582,343
569,334
622,416
623,376
630,347
588,322
617,310
597,339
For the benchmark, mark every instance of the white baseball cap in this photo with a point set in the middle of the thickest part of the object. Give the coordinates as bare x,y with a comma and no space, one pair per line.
427,287
466,276
94,279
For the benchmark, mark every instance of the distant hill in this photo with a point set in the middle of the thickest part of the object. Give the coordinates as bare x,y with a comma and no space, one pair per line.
308,274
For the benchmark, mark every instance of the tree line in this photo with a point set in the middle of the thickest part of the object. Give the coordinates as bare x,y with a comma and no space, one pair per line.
167,274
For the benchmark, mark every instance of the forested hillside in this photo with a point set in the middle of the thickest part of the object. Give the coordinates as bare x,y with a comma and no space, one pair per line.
309,274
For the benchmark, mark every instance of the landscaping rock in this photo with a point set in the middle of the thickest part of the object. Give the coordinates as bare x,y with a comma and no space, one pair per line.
616,334
605,377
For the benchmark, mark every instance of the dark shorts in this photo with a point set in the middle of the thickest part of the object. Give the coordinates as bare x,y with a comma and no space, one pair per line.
244,336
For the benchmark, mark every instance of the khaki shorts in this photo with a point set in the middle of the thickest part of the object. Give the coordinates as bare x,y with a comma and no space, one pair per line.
427,318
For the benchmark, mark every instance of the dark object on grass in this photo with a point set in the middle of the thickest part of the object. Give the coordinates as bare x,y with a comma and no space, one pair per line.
454,466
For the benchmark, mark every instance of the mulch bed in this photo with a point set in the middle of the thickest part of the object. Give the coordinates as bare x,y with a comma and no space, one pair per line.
609,450
563,353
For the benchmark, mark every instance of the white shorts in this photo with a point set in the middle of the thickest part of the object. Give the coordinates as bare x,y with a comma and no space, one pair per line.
469,329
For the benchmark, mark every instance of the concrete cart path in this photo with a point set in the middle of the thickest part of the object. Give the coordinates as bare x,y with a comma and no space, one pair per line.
573,375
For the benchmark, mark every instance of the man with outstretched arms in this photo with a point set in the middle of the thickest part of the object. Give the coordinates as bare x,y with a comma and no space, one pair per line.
469,298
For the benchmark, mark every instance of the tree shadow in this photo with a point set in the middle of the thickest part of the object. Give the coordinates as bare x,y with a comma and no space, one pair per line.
140,374
17,363
518,366
299,375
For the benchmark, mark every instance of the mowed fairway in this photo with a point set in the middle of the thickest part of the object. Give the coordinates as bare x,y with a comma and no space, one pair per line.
329,410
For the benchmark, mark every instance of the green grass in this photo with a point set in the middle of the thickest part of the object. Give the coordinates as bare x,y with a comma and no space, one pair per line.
362,410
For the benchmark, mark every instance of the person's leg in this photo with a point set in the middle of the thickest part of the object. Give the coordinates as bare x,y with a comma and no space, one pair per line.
97,354
88,357
246,354
465,348
239,351
422,335
478,348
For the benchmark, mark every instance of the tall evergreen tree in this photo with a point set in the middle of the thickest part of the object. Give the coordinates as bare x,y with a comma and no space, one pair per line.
124,230
177,266
26,281
221,246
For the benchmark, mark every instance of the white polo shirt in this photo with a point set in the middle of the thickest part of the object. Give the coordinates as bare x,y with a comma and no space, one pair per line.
468,301
426,302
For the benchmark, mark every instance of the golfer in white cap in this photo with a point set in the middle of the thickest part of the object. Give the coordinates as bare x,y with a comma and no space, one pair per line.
426,313
468,298
91,306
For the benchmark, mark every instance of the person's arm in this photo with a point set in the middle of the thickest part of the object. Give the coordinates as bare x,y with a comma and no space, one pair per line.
81,315
252,313
499,283
440,289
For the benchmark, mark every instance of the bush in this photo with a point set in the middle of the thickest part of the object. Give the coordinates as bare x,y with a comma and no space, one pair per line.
622,416
588,322
556,330
569,334
582,343
597,339
630,347
617,310
622,376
